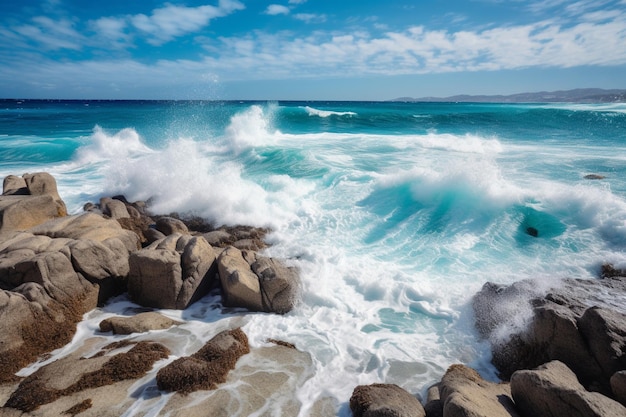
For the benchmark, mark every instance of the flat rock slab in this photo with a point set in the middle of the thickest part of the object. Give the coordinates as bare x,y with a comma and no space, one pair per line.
139,323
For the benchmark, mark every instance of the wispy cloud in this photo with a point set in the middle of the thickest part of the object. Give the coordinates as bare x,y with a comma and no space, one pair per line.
48,33
276,9
171,21
310,17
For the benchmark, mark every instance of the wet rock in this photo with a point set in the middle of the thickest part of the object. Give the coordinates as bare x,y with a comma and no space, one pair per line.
553,390
255,282
464,393
139,323
207,367
384,400
173,272
555,328
74,374
594,177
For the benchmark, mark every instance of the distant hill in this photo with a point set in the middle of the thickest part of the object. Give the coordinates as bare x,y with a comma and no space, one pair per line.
581,95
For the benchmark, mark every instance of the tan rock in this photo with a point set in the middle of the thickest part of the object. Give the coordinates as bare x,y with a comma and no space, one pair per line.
240,286
552,390
465,393
384,400
155,279
618,386
139,323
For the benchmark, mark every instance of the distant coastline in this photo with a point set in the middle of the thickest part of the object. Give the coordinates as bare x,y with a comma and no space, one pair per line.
580,95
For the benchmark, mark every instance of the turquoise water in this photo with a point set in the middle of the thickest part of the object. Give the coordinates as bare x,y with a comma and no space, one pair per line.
395,213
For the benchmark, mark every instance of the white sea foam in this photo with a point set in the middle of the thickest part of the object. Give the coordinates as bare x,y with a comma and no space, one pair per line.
327,113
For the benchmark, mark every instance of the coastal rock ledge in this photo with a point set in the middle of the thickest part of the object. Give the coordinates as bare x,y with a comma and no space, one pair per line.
56,267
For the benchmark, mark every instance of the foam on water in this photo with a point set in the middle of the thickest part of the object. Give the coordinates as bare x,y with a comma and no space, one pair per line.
392,233
327,113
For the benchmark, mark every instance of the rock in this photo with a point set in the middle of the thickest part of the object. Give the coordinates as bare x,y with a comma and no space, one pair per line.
618,386
555,328
605,332
42,183
218,238
155,279
268,376
433,406
255,282
170,225
384,400
207,367
19,212
39,314
173,272
464,393
594,177
553,390
87,226
240,286
115,209
14,185
139,323
74,374
153,235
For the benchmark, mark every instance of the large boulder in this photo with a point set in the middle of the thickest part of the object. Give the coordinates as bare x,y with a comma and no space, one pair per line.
206,368
552,390
29,201
257,283
605,332
384,400
87,226
559,325
172,273
465,393
41,301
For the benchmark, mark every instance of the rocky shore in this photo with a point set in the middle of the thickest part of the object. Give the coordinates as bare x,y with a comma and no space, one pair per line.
560,351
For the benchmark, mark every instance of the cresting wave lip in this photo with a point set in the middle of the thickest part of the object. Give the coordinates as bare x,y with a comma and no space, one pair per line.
327,113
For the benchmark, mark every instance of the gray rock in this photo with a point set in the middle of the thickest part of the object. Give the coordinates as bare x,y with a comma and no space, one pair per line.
115,209
170,225
21,212
155,279
384,400
552,390
240,286
555,329
605,332
173,272
464,393
618,386
139,323
14,185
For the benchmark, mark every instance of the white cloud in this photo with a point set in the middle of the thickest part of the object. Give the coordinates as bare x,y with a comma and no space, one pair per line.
171,21
276,9
50,34
310,17
419,50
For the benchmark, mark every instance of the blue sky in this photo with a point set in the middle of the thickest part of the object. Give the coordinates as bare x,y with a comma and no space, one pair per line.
307,49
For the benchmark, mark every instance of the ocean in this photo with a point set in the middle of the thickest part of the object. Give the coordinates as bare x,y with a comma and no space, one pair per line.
395,213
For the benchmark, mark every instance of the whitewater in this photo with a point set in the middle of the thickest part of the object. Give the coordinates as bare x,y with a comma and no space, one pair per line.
394,213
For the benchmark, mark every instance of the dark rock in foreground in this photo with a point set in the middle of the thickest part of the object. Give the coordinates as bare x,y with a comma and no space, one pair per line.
553,390
384,400
581,323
